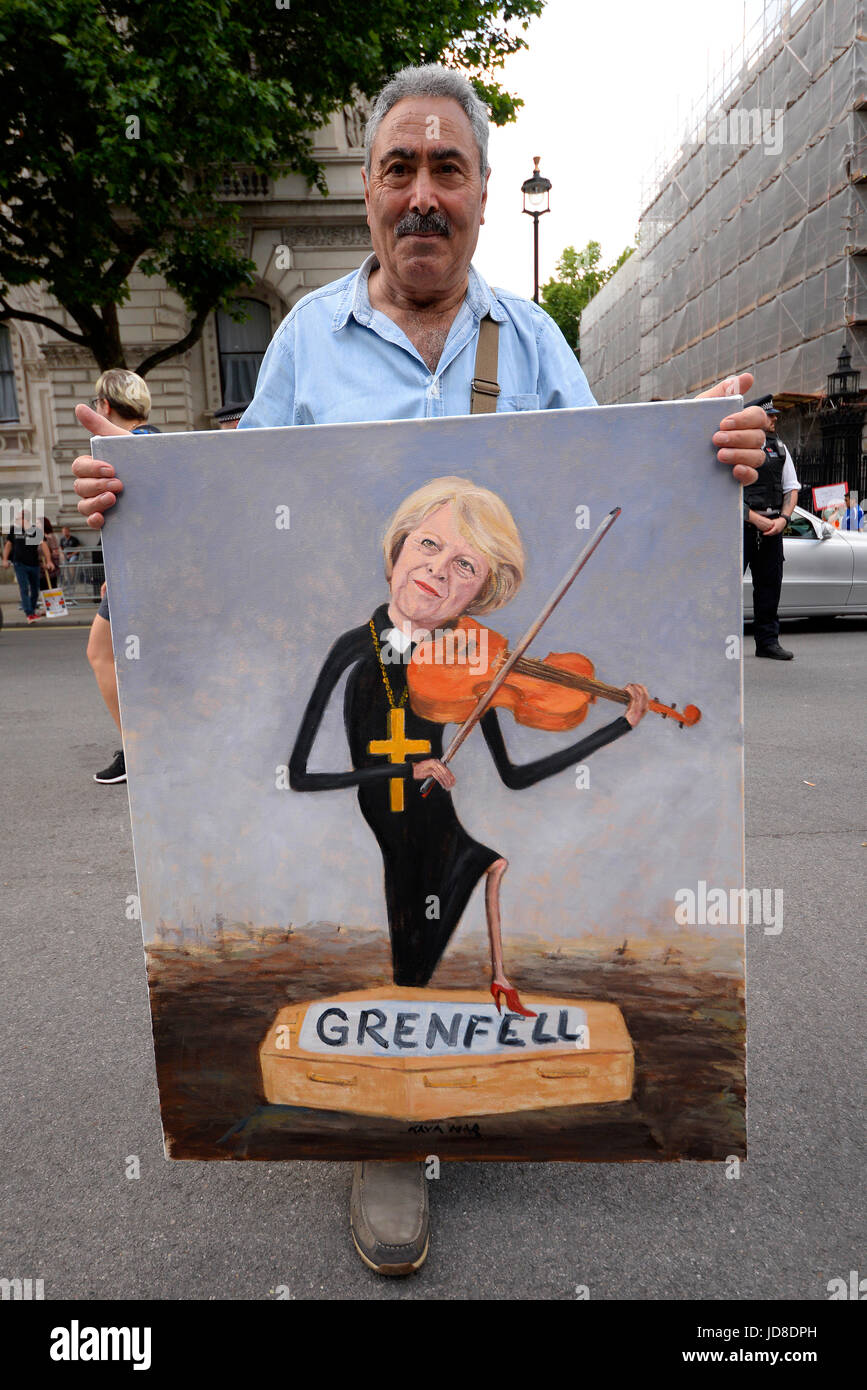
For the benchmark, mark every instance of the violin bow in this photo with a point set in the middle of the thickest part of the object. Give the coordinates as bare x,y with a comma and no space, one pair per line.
518,651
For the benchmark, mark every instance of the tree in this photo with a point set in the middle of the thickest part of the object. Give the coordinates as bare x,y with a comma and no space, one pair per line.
121,120
579,277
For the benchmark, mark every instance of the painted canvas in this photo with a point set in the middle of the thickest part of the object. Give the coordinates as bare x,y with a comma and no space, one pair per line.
433,733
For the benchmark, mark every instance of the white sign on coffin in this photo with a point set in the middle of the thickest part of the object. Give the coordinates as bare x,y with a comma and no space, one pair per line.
410,1054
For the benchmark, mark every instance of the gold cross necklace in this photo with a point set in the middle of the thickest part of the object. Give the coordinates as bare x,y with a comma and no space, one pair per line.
396,745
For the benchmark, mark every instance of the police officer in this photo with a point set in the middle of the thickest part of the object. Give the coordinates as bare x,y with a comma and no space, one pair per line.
768,506
227,417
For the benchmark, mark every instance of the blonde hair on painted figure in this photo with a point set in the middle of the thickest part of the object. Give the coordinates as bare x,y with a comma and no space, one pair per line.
482,518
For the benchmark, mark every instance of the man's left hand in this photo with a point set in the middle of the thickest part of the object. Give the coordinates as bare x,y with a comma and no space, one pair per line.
777,526
740,439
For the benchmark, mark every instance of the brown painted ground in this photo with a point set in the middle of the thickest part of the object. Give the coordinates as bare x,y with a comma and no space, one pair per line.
213,1004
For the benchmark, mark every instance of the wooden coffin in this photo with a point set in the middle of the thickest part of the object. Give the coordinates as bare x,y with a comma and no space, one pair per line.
428,1054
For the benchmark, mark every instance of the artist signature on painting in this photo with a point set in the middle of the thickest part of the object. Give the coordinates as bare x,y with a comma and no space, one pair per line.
471,1130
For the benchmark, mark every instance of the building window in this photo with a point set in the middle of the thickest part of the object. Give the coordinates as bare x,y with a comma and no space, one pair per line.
242,347
8,398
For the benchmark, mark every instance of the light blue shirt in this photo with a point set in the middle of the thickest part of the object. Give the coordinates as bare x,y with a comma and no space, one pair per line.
335,360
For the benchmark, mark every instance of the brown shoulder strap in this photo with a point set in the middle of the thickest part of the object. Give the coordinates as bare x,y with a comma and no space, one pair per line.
484,386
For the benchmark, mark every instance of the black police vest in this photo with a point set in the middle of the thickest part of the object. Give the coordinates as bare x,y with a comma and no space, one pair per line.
767,492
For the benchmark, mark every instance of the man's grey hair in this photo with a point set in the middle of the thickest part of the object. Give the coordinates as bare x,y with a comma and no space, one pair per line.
430,81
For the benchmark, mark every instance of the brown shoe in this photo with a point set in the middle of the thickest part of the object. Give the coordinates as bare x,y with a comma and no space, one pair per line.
388,1216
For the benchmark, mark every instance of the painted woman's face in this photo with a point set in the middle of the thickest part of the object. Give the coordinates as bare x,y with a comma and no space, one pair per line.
437,574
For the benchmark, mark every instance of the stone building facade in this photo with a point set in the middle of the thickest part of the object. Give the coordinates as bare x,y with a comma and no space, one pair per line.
298,239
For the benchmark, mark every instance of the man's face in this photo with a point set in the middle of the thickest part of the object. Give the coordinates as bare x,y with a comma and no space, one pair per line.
66,532
438,572
425,196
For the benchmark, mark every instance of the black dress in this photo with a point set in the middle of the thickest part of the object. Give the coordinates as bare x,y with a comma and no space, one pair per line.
431,863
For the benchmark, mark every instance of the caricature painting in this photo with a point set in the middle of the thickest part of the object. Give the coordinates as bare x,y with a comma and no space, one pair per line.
434,748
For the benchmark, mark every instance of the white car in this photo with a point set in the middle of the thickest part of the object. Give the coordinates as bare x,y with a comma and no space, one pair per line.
825,573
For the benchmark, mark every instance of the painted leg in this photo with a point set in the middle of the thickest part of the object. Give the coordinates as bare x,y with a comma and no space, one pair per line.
499,983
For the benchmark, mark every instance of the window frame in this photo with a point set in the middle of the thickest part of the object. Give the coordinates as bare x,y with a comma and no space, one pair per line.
225,354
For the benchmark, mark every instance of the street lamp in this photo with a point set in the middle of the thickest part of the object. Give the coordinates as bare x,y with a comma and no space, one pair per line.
844,383
537,201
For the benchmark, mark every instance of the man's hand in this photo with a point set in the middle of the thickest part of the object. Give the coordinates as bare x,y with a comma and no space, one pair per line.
97,484
637,707
432,767
777,526
761,523
740,439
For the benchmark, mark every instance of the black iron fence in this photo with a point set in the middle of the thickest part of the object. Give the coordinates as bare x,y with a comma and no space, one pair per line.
814,470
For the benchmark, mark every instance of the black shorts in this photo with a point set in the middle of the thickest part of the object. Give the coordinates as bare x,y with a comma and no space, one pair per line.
102,610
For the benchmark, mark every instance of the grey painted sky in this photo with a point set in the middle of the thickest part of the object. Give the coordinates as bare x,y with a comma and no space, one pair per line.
235,617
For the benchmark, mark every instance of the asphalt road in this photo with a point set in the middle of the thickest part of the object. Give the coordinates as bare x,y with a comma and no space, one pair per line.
78,1094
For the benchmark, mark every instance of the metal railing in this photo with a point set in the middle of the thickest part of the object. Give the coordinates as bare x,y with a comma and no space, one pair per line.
82,574
815,470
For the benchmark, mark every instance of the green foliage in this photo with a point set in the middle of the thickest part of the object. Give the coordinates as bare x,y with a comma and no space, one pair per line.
579,277
85,193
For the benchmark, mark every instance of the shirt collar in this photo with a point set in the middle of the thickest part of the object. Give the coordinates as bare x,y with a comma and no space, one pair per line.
398,639
355,300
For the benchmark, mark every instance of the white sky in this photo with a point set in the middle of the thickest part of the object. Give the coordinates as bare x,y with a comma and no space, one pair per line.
606,90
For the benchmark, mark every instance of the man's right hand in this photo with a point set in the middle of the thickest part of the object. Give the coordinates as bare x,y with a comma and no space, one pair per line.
96,483
761,523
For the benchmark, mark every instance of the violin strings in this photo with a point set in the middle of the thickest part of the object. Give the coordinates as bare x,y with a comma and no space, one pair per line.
541,671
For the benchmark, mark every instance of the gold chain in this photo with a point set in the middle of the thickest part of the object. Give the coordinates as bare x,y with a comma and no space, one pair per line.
391,700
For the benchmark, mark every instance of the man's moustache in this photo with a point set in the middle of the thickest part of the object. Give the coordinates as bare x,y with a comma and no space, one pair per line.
414,224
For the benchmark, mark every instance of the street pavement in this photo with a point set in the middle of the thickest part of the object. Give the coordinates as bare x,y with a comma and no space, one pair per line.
78,1092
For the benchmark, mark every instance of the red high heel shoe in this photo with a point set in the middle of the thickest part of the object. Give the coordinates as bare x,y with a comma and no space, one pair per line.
513,1003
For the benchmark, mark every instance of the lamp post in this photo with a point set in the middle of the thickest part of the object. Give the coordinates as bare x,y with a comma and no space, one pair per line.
844,383
537,201
841,420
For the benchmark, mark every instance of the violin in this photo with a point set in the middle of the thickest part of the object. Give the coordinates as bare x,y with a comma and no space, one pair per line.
448,675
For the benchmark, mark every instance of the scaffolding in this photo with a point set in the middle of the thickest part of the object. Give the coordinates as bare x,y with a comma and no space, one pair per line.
611,337
753,239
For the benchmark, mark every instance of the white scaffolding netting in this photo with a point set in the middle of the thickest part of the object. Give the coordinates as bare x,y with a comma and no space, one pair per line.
753,241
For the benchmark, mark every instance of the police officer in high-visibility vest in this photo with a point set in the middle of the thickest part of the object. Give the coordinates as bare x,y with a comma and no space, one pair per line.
768,506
